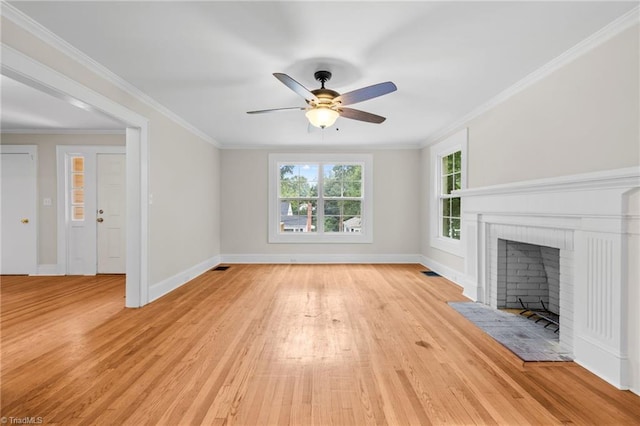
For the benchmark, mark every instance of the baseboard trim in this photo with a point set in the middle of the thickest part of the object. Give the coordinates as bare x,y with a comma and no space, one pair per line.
320,258
166,286
48,269
602,361
451,274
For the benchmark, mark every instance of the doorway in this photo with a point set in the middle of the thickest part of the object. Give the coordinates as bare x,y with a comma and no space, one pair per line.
92,212
26,70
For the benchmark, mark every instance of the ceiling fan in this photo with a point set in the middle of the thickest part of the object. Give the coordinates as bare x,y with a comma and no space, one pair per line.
326,105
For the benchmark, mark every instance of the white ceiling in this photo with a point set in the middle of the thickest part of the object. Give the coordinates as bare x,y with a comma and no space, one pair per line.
27,109
210,62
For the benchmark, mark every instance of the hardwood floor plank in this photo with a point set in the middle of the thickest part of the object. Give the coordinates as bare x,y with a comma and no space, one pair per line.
278,344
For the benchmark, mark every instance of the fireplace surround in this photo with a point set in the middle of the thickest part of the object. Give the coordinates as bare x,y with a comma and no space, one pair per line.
593,221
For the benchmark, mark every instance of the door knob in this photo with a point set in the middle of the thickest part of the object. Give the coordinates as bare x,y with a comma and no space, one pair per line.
100,211
25,220
100,220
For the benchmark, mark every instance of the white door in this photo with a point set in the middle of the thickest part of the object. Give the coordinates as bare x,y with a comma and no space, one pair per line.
19,236
111,217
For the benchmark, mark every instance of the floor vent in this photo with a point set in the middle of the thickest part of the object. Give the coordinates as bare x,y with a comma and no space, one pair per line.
220,268
430,274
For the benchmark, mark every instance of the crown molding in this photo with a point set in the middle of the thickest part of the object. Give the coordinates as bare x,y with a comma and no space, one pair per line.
609,31
36,29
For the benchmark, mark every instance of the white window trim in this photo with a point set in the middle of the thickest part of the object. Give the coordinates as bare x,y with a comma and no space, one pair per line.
365,236
455,142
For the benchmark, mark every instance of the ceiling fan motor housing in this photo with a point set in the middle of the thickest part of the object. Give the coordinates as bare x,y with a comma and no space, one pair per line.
325,96
322,76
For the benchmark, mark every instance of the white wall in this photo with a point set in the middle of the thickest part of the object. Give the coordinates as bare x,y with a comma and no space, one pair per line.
396,212
47,180
183,168
581,118
185,214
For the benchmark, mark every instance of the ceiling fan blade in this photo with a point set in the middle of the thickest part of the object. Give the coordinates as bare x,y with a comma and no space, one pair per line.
356,114
295,86
262,111
365,93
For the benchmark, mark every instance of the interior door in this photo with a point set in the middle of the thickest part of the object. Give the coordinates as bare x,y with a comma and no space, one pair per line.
111,217
19,236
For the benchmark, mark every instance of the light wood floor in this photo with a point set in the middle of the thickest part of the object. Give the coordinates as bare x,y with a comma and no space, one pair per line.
278,344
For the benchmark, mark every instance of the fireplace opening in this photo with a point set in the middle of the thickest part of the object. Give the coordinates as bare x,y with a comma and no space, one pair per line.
528,278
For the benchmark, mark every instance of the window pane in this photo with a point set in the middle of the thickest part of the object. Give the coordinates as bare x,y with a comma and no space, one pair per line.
331,224
288,188
346,208
298,216
77,164
304,189
446,207
77,213
353,224
455,207
77,196
298,180
352,208
332,184
353,189
455,225
352,172
328,171
446,227
448,184
457,179
309,172
77,180
457,161
286,170
342,216
447,164
332,207
342,180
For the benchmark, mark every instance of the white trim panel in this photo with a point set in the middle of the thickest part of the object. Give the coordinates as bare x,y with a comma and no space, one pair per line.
166,286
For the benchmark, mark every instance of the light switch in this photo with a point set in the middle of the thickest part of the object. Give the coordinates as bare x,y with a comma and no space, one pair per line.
46,201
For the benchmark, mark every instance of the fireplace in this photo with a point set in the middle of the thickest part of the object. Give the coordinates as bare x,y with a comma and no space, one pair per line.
531,263
574,232
528,276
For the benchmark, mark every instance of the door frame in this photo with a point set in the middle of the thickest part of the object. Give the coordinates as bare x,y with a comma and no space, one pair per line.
33,151
91,153
25,69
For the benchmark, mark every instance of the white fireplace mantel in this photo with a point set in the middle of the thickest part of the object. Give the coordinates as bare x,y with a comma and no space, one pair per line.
591,218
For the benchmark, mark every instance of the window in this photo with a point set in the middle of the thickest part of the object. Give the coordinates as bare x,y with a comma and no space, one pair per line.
450,180
448,162
320,198
77,188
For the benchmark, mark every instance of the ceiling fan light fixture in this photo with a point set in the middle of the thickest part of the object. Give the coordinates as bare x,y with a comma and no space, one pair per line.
322,116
